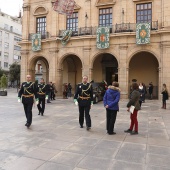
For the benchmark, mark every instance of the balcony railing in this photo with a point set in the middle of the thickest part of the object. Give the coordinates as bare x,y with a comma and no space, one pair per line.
118,28
44,35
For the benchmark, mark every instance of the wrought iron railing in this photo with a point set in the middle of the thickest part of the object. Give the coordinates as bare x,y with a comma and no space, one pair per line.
44,35
118,28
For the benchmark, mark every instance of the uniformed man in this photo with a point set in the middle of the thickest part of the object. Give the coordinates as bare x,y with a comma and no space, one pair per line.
84,98
27,92
41,90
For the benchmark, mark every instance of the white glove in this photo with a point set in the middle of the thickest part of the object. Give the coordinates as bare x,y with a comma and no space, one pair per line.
37,102
91,104
76,103
46,97
19,100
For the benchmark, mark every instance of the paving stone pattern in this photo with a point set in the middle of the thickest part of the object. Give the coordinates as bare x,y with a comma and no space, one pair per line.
55,141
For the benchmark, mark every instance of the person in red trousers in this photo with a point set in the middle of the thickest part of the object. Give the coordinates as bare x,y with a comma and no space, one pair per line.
134,100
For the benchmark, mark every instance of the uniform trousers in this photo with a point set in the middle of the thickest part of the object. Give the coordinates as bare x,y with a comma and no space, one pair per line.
134,121
41,105
84,110
28,112
111,118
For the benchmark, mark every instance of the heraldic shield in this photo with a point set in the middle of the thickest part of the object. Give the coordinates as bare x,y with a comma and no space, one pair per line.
36,42
103,37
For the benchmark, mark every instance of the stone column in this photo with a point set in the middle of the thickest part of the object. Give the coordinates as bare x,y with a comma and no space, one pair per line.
25,21
123,71
24,66
59,80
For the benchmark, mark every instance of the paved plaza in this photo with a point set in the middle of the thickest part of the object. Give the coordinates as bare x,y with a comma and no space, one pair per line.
55,141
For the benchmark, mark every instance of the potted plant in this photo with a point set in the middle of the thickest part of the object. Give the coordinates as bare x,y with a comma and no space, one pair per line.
3,83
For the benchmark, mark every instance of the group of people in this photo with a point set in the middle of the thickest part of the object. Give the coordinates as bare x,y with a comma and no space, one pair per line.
83,98
30,91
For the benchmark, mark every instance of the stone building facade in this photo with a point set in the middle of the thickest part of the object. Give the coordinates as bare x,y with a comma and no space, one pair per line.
123,61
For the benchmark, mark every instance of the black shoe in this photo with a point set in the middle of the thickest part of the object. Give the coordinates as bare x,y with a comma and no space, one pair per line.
88,128
42,114
48,102
27,124
113,133
81,126
53,99
134,133
128,131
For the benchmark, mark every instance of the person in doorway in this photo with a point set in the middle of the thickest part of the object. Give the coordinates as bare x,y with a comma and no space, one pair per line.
134,100
165,96
150,90
84,98
111,103
27,92
142,92
41,91
69,90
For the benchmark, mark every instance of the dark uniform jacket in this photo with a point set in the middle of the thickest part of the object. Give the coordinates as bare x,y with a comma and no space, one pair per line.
27,92
84,94
41,90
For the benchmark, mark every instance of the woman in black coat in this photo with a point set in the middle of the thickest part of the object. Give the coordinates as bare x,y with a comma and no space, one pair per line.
165,96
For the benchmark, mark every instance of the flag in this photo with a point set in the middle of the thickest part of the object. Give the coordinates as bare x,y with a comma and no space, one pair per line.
103,37
64,6
36,42
143,33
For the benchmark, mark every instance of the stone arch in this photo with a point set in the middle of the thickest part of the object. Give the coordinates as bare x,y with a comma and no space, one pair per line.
62,58
37,72
132,54
93,58
144,67
104,67
40,10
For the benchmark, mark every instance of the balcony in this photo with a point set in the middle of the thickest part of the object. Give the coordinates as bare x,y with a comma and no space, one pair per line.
45,35
118,28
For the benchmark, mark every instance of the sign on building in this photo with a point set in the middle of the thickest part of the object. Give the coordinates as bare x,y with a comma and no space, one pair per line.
143,33
103,37
36,42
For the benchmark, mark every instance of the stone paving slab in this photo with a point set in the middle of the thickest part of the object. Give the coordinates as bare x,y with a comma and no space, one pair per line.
55,141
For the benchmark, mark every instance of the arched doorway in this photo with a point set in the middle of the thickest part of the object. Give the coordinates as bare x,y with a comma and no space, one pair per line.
39,68
105,67
71,71
143,67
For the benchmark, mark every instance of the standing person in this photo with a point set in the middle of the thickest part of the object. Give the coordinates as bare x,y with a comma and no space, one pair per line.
69,90
165,96
48,91
111,103
150,90
142,92
145,92
134,100
54,91
84,98
27,92
41,91
65,91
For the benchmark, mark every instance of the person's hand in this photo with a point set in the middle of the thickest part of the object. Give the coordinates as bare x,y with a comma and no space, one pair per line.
37,101
46,97
128,109
106,106
19,100
91,103
76,103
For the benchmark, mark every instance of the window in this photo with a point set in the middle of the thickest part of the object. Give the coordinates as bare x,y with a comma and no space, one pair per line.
16,57
72,22
5,56
17,48
41,25
105,17
6,45
6,36
144,13
17,39
5,64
